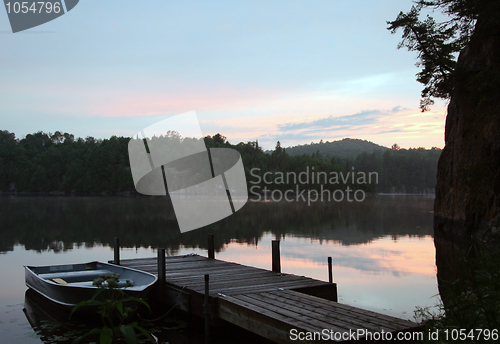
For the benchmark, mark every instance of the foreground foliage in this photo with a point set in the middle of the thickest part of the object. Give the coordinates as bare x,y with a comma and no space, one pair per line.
471,304
117,317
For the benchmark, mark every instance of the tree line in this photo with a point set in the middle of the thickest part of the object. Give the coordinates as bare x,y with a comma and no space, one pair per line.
46,162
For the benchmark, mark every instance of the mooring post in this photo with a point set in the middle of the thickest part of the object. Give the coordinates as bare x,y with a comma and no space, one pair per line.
276,256
162,274
117,251
207,310
162,268
330,273
211,249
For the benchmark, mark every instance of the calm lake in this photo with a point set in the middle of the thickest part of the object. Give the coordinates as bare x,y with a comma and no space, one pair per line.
382,248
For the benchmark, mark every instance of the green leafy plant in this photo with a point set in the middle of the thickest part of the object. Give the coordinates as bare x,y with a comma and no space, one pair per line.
117,317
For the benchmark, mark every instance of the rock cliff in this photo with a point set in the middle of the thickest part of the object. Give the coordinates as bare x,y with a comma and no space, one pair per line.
468,180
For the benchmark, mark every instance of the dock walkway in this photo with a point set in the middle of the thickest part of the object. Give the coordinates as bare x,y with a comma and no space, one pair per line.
267,303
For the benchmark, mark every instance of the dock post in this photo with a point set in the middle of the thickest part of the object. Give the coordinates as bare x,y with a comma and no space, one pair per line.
116,259
276,264
162,272
211,248
207,310
330,273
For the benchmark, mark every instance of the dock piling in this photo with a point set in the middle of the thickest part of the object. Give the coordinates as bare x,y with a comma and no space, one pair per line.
330,273
207,310
162,274
211,248
276,264
117,251
162,268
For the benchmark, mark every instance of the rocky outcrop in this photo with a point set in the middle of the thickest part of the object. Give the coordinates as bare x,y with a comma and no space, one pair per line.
467,205
468,180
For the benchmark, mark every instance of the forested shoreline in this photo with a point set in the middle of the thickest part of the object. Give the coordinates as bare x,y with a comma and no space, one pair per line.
59,163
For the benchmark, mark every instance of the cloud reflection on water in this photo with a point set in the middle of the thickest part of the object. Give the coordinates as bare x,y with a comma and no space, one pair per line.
387,275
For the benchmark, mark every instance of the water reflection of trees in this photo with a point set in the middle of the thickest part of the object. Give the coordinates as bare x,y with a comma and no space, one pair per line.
59,223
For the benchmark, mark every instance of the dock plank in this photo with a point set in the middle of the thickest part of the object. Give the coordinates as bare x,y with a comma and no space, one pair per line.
307,319
329,312
263,322
265,287
227,281
359,311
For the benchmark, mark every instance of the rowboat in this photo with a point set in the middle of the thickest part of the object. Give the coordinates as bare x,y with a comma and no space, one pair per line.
50,321
68,285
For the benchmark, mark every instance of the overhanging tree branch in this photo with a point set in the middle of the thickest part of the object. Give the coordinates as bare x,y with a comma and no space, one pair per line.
438,43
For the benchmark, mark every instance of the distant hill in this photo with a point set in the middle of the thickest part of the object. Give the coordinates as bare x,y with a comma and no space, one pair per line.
345,148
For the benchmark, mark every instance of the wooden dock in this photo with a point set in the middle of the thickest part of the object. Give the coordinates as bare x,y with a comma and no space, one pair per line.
267,303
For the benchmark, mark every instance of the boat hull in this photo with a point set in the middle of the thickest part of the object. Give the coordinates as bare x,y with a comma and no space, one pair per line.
79,278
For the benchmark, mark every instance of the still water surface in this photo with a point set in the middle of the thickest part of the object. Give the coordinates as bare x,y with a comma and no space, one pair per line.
382,249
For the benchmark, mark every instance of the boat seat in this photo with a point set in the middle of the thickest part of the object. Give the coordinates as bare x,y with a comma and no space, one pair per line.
75,276
60,281
122,283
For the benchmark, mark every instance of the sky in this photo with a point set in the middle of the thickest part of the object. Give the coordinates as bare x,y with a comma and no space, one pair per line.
281,70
